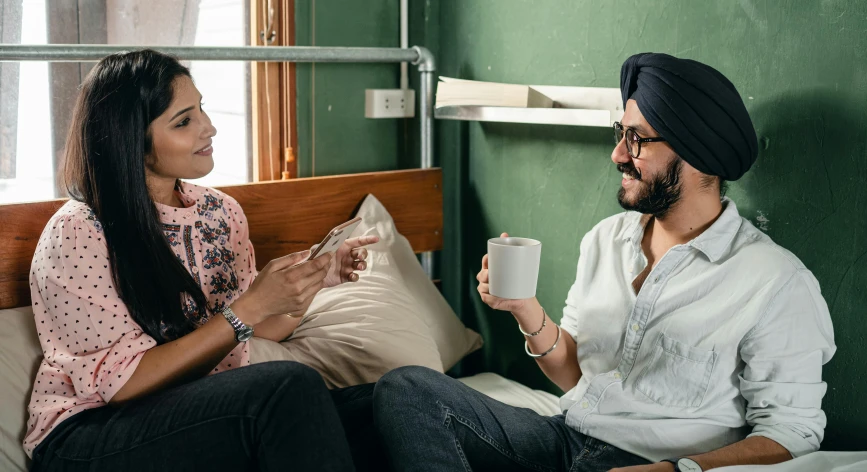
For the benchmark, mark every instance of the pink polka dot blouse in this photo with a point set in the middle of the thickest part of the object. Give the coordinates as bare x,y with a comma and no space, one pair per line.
91,344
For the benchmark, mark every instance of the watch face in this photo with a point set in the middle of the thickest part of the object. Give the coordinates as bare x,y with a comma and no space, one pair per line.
688,465
247,333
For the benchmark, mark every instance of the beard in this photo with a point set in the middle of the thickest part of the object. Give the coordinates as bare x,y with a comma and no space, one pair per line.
656,197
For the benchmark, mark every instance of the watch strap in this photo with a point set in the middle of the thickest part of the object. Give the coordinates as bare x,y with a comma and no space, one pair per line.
234,321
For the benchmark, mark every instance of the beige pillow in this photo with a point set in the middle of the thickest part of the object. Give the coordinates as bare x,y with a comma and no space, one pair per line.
392,317
20,354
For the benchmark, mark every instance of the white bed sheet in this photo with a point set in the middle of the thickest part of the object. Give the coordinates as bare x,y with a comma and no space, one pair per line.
513,393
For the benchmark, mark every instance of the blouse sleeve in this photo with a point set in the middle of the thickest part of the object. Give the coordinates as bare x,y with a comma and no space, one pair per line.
84,328
245,256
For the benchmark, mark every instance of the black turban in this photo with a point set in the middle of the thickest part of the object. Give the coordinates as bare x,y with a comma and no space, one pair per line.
696,109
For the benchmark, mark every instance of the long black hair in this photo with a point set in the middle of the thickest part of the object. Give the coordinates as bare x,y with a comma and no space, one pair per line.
104,167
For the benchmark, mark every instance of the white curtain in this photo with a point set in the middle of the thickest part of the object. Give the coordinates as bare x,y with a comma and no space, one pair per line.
133,22
10,33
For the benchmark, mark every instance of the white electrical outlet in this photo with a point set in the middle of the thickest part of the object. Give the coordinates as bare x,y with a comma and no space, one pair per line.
389,103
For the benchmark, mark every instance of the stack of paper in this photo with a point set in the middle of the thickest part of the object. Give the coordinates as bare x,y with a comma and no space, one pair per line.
455,92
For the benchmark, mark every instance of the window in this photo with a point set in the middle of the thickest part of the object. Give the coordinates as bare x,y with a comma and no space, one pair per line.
36,98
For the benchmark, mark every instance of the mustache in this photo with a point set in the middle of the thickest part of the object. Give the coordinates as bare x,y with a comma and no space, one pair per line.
629,170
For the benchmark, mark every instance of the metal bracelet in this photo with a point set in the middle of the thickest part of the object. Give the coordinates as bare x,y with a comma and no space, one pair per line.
544,322
527,345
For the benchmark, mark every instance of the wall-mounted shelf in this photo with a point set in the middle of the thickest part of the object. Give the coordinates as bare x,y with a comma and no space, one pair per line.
573,106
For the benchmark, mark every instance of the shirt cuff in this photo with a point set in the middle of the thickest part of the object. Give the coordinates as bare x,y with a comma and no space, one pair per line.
797,441
118,381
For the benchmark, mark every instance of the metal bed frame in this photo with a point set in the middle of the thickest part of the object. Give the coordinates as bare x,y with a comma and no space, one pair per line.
418,56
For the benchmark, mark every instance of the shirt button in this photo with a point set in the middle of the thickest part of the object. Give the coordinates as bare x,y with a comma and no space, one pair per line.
585,404
635,327
195,269
656,280
187,216
617,375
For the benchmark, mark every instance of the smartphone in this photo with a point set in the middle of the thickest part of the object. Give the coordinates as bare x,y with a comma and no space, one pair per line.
335,238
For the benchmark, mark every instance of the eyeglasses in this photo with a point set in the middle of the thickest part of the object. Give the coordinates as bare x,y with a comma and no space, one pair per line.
633,140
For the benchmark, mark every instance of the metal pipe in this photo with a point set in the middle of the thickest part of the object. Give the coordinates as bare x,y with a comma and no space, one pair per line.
404,42
427,68
426,112
95,52
425,60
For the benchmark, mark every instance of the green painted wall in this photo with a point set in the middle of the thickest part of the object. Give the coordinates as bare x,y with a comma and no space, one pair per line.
802,63
802,70
330,112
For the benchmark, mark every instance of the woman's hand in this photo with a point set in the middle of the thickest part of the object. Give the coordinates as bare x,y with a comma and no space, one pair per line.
286,285
350,257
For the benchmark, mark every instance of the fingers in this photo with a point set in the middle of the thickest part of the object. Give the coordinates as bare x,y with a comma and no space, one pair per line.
356,260
312,279
483,289
308,294
349,275
358,254
289,260
362,241
494,302
498,303
309,268
485,262
504,235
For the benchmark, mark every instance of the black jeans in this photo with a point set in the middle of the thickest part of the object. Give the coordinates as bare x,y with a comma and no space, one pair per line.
270,416
431,422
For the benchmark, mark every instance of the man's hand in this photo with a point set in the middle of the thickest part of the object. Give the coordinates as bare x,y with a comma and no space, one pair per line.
519,308
658,467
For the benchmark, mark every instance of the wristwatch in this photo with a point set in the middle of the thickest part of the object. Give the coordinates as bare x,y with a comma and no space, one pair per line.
242,331
685,465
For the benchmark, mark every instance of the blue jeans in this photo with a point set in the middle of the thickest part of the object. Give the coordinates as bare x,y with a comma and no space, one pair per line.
270,416
431,422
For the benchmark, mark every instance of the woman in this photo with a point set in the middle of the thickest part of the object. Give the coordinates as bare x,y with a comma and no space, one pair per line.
143,284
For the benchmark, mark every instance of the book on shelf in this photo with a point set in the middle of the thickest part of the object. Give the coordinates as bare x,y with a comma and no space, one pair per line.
456,92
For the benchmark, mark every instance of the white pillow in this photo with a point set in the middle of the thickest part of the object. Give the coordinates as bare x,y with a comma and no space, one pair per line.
20,354
392,317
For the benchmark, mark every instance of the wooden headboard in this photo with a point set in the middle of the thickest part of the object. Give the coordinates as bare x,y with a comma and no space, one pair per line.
284,217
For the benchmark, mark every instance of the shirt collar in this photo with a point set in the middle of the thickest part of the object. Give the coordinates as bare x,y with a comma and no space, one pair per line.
715,242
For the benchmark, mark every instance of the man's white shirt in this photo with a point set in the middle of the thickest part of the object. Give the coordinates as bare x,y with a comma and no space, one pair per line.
726,338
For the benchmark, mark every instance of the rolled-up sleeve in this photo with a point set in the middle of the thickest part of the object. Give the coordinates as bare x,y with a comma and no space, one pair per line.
569,321
784,354
240,243
86,331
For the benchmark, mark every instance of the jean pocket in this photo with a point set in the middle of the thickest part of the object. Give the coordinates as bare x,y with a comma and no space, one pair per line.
677,375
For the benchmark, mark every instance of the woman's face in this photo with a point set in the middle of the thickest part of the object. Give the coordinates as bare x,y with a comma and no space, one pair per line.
181,136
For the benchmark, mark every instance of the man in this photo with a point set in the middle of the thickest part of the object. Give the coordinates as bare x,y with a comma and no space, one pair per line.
689,340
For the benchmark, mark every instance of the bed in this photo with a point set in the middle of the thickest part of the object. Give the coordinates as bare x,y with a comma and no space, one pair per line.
284,217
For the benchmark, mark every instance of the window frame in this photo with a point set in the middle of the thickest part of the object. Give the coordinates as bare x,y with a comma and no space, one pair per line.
273,86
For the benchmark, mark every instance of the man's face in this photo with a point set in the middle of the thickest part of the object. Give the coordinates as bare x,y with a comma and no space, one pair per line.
652,183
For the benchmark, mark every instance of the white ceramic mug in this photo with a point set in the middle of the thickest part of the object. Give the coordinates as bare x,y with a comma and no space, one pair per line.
513,267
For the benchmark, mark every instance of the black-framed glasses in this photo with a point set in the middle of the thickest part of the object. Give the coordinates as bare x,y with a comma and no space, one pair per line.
633,140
